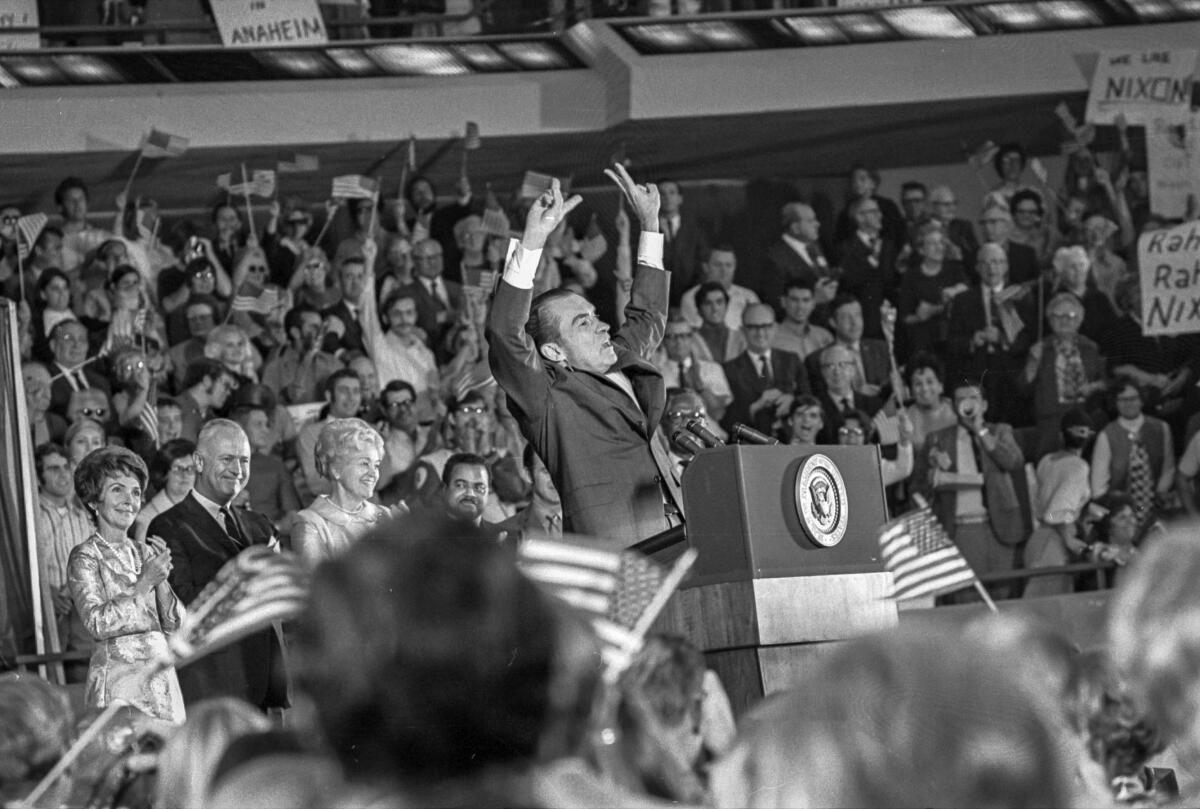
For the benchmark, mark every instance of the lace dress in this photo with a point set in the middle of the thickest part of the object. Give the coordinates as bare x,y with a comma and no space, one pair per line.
324,530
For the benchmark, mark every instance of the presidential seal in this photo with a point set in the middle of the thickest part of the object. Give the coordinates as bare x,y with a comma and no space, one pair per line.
821,501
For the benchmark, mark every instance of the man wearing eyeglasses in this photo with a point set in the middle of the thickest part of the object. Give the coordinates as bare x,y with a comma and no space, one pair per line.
683,365
997,224
404,439
69,345
869,264
944,208
764,380
838,397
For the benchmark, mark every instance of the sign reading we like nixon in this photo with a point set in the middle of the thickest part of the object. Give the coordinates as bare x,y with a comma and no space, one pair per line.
269,23
1142,86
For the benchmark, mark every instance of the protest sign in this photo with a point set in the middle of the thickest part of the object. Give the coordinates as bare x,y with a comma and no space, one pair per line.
18,14
269,23
1172,160
1143,86
1170,278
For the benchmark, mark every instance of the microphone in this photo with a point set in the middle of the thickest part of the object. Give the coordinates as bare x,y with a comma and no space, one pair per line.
687,441
748,435
696,427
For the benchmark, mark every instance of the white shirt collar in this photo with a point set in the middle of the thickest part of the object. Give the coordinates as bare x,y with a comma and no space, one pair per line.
212,507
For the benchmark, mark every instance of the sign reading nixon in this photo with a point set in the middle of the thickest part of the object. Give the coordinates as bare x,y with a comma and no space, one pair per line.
1143,86
1170,276
269,23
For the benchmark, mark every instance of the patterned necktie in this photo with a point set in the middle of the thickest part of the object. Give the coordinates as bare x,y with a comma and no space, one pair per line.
1071,376
1141,486
231,526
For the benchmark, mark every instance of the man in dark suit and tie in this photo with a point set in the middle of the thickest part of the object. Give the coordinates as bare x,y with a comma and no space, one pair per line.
438,300
997,224
353,276
869,265
203,532
69,343
838,397
684,243
589,403
797,256
872,362
764,380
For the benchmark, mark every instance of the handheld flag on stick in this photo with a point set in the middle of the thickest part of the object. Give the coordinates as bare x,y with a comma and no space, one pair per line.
298,164
471,142
621,592
160,144
354,186
922,558
260,184
534,184
251,298
250,592
28,229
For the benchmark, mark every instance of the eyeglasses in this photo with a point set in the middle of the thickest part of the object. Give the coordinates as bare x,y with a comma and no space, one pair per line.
183,471
686,414
129,282
205,274
757,326
100,412
8,219
843,364
850,431
472,409
72,339
403,404
256,268
1064,315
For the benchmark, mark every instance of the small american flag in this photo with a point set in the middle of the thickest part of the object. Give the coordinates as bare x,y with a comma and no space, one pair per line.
251,591
924,561
252,298
471,139
621,592
496,223
160,144
148,418
29,227
533,184
298,163
354,186
260,184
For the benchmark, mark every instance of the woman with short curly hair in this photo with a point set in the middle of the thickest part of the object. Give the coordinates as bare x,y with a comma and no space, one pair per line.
120,590
348,454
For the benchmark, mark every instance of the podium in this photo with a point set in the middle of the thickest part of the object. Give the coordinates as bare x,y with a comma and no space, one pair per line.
776,585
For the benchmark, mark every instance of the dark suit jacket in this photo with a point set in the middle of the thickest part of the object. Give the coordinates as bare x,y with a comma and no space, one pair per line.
60,388
352,339
1000,496
252,668
870,284
1022,263
594,440
428,310
877,366
834,418
998,370
783,265
788,375
683,255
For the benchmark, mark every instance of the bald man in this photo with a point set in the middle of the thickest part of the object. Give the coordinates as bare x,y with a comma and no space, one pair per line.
764,380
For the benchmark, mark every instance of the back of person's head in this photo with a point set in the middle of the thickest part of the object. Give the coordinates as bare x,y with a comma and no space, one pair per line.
189,759
36,725
1154,634
431,659
903,719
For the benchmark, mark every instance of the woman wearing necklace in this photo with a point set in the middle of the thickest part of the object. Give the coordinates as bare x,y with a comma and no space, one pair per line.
348,453
120,589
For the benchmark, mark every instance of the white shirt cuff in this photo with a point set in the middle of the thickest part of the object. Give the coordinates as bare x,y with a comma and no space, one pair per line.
650,250
522,265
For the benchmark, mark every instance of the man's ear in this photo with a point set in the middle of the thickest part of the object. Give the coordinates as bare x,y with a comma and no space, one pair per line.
552,352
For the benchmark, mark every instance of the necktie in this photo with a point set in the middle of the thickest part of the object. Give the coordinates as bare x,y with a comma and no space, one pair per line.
1071,377
764,368
231,526
847,405
683,380
554,525
1141,487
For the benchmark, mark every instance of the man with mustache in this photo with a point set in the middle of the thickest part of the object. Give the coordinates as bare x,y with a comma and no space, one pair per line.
466,485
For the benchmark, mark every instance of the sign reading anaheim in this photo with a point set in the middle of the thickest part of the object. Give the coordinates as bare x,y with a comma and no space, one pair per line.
1170,280
269,23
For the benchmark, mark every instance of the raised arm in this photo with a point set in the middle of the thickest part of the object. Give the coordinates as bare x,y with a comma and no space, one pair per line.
645,313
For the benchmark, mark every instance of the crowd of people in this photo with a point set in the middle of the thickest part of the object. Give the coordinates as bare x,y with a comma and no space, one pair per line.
198,388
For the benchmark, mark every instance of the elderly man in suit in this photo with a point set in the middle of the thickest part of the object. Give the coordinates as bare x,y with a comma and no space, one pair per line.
967,470
438,300
872,363
797,256
69,344
349,337
684,242
203,532
838,397
589,403
764,380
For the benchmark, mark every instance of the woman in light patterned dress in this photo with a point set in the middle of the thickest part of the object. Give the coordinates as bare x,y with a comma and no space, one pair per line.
120,589
348,454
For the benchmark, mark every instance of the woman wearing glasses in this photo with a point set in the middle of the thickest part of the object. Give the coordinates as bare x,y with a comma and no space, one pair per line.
348,455
172,475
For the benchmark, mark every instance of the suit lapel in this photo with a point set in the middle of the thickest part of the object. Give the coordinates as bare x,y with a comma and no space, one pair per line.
210,533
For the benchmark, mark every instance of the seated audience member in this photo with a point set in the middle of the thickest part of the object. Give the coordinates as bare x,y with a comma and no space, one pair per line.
298,368
200,315
795,333
44,426
409,637
270,489
926,291
845,739
683,366
966,470
286,246
1065,371
37,726
188,761
997,225
425,219
806,421
82,438
682,406
837,395
172,475
206,386
872,363
1072,269
797,258
719,268
914,204
1153,642
542,518
1063,490
170,420
461,500
719,341
930,410
1134,453
764,381
864,185
343,393
347,454
1120,531
1108,268
365,369
963,244
311,285
69,373
868,263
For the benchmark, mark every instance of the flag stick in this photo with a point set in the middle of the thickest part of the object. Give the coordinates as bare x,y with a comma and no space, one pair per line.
136,164
85,738
249,210
328,221
375,208
665,590
463,169
986,598
20,265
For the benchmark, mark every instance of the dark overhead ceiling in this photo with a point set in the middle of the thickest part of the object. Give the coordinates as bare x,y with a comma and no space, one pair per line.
803,143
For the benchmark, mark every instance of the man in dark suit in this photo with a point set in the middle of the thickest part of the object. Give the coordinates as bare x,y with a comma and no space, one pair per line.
997,224
944,208
873,364
764,380
869,265
797,256
69,344
838,397
684,242
353,276
589,404
438,300
966,469
204,532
